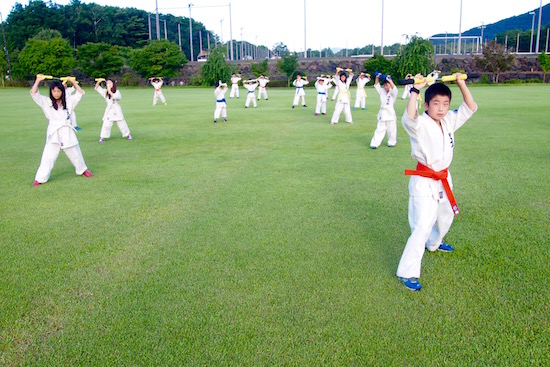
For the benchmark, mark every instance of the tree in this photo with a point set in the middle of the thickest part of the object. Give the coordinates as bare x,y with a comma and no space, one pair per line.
544,61
47,35
379,63
496,59
259,68
54,57
280,50
99,59
416,57
158,58
216,68
288,64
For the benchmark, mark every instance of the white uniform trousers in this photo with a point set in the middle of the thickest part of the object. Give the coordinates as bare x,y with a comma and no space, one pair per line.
389,126
251,97
234,90
158,94
221,109
338,110
430,220
49,156
262,91
336,91
360,98
299,93
108,124
321,103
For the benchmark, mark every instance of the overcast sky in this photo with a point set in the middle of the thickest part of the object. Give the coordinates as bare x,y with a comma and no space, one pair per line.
328,23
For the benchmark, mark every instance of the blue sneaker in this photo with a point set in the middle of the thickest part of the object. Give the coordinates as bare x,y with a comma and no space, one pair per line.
411,283
445,247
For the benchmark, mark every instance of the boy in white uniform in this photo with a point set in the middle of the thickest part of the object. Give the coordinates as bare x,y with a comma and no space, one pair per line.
221,105
343,82
361,94
251,94
113,111
60,134
299,84
387,119
432,206
157,84
262,90
322,85
235,79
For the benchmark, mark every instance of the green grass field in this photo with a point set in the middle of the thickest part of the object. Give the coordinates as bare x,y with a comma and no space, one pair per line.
270,240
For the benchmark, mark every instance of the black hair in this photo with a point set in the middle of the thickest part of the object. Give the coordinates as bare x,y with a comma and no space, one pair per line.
60,86
113,89
437,89
217,84
343,73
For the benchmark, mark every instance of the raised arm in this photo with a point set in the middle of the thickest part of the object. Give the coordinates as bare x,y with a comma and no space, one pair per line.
413,99
466,94
39,78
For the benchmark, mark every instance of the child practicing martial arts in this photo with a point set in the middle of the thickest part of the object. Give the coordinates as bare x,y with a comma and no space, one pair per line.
250,86
221,105
361,94
262,88
235,79
387,119
157,83
432,206
342,81
113,111
322,85
60,134
299,83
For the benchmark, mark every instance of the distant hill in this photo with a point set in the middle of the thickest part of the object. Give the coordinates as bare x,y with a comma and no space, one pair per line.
521,22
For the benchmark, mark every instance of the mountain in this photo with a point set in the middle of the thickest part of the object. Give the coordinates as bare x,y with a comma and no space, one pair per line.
521,22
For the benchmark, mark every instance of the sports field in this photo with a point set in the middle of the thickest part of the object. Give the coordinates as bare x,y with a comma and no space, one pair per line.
270,240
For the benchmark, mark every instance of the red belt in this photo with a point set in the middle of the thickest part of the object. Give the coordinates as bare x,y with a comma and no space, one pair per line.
424,171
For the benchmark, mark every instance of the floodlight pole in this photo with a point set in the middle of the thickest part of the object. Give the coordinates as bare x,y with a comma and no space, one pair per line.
190,32
460,29
382,33
231,31
158,20
305,47
532,31
538,32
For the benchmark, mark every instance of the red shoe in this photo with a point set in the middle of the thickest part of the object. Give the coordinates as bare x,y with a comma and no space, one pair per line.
88,174
35,183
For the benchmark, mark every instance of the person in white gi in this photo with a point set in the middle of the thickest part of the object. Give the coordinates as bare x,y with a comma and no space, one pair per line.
250,86
113,111
157,84
407,90
322,85
336,89
432,206
60,134
387,119
434,74
221,105
262,88
361,94
69,92
343,82
235,79
299,83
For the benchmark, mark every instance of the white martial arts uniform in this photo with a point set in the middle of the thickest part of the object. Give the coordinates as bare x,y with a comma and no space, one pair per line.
113,113
430,214
322,90
60,135
158,92
299,84
344,100
407,91
221,105
387,119
335,93
262,88
234,86
251,94
70,91
361,94
434,74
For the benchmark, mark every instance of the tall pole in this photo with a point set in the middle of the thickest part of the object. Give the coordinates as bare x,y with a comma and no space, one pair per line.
149,24
382,33
221,30
190,32
538,32
165,32
305,47
532,31
482,28
179,34
200,42
242,43
231,31
460,29
158,20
